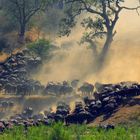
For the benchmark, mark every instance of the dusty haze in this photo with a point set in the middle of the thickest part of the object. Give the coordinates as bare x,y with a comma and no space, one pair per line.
76,62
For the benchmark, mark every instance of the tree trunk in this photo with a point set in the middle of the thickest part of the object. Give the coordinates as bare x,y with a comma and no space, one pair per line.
106,47
103,55
22,33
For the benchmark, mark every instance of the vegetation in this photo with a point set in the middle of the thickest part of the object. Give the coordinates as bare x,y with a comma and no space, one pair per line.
40,48
47,23
23,10
25,21
74,132
45,15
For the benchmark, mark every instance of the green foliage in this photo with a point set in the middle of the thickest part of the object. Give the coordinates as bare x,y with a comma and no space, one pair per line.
40,48
58,132
16,8
74,132
68,22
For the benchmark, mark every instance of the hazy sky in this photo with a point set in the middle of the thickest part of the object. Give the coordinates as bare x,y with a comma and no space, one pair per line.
129,22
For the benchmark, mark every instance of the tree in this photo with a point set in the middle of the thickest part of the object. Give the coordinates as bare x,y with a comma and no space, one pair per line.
23,11
103,16
48,21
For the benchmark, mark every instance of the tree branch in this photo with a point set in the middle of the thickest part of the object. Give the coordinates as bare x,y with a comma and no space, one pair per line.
135,8
87,8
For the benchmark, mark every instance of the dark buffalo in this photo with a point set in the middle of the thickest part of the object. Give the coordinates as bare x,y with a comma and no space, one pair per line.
86,89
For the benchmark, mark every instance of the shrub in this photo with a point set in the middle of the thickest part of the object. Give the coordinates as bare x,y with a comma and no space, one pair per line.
40,48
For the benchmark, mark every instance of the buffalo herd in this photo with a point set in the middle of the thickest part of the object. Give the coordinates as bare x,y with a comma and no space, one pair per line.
15,72
69,88
107,98
6,105
98,99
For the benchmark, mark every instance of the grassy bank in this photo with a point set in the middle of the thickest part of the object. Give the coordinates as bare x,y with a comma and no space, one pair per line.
74,132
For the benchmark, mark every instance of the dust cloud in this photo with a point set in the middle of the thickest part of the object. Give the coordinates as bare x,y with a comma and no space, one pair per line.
77,63
74,61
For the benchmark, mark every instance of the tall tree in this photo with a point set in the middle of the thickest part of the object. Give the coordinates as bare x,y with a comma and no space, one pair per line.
23,11
103,16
